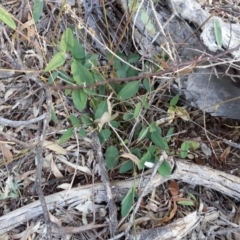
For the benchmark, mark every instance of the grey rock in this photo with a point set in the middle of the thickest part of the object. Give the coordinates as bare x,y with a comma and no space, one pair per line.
215,94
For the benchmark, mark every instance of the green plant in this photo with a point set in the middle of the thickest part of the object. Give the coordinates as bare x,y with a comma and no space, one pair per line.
118,110
11,189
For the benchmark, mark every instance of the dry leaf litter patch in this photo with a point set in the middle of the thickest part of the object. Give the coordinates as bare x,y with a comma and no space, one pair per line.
73,164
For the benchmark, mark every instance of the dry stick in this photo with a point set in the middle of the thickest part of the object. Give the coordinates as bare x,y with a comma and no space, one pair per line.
230,143
72,230
39,149
15,124
113,223
173,69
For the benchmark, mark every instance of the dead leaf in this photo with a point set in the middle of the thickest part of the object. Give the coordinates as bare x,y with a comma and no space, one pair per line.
225,154
6,152
86,207
54,147
106,118
25,175
182,113
206,150
55,220
173,188
136,221
47,161
75,166
55,170
9,92
172,213
171,114
132,157
65,186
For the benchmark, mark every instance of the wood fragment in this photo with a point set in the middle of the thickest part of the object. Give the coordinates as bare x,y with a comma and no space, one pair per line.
184,171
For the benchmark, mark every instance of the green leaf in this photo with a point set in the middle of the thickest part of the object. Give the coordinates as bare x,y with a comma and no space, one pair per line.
194,145
153,128
79,99
169,133
57,61
174,101
66,136
86,119
165,169
126,166
98,77
67,92
128,202
52,77
158,140
150,27
90,91
143,133
115,124
136,152
116,64
125,67
184,149
74,120
121,73
37,10
137,110
218,32
111,157
127,116
101,109
152,149
6,18
133,5
131,72
145,158
147,84
78,50
81,74
192,196
67,40
129,90
63,75
186,203
91,61
147,22
104,135
53,115
82,132
133,58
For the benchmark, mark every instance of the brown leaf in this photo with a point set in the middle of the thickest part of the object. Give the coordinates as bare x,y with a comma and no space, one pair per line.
6,152
132,157
173,188
225,154
54,147
172,213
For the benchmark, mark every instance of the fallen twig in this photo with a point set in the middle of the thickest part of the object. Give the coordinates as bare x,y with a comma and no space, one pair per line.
15,124
113,223
39,148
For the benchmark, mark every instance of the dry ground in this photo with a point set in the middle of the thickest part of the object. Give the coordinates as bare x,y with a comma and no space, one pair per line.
70,167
